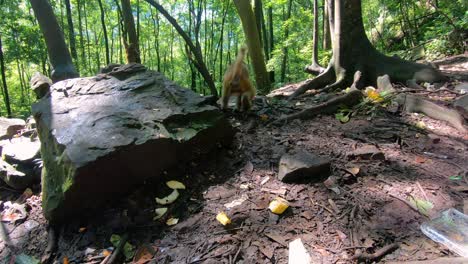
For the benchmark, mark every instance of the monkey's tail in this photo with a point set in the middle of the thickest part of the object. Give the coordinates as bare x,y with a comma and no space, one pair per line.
241,54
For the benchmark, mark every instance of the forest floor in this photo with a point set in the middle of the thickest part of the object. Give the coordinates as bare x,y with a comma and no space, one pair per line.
363,208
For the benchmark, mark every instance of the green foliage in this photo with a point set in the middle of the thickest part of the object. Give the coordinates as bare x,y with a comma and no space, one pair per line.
392,26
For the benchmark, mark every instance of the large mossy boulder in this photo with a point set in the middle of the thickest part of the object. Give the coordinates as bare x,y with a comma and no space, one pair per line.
103,135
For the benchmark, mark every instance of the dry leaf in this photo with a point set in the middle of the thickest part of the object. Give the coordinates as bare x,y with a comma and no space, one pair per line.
175,185
168,199
172,221
420,159
143,254
159,212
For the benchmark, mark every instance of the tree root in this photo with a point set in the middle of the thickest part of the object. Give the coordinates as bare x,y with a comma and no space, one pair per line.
350,99
316,83
314,69
52,237
338,84
362,256
415,104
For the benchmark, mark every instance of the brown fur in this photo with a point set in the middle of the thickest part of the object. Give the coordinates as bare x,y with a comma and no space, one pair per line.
236,82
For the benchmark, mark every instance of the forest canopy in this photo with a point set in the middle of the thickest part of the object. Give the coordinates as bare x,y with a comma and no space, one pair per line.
413,30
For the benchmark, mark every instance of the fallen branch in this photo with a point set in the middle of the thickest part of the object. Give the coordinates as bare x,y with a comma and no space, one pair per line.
362,256
435,261
331,106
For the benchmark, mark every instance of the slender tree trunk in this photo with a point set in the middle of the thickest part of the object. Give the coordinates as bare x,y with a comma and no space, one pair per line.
71,34
246,14
104,30
271,40
326,27
315,67
195,50
62,65
132,49
155,18
80,28
88,41
285,48
6,96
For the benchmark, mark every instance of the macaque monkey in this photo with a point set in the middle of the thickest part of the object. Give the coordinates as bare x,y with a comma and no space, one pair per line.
236,82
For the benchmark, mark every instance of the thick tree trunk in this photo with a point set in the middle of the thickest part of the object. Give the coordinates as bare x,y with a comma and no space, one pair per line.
132,48
59,56
244,9
104,31
71,33
196,52
352,52
6,96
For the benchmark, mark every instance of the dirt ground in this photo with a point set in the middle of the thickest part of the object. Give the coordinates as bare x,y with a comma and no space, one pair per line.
362,208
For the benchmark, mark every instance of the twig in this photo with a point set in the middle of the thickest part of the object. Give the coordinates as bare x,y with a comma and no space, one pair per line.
436,261
237,254
323,206
377,255
422,190
115,254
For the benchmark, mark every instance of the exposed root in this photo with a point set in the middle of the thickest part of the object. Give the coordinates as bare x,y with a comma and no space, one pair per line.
52,237
338,84
415,104
362,256
319,82
350,99
314,69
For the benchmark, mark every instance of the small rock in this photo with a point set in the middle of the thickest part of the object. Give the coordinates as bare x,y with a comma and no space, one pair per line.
21,150
40,84
30,225
384,84
10,126
14,178
462,102
303,166
462,88
367,152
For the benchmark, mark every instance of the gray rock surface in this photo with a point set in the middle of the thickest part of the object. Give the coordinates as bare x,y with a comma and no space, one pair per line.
462,102
303,167
103,135
40,84
21,150
13,177
10,126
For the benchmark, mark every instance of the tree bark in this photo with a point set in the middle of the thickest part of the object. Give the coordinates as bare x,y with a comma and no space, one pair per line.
271,40
6,96
80,28
352,52
246,14
132,48
71,33
285,48
104,31
326,27
315,67
59,56
196,52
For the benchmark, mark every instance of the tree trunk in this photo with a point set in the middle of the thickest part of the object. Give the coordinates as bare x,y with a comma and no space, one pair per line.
71,33
155,18
6,96
285,48
271,40
353,52
315,67
196,51
59,56
80,28
244,9
326,27
104,30
132,48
